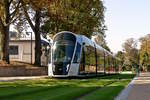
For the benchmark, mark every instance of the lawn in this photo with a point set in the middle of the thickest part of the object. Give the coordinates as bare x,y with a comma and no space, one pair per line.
106,87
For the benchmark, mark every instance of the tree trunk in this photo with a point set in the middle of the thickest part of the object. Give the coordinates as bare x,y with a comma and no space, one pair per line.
5,34
37,39
5,45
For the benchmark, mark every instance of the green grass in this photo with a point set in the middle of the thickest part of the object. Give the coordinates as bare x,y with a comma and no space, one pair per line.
64,89
108,92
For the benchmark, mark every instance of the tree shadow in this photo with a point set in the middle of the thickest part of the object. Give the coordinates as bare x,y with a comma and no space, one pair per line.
119,76
65,93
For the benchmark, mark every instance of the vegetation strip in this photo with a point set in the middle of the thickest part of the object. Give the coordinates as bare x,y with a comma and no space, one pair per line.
107,93
64,89
27,92
97,88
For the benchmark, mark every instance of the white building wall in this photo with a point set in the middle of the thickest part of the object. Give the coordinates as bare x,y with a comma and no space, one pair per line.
24,51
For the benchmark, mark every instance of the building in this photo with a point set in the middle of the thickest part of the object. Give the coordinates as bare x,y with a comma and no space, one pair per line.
23,50
20,50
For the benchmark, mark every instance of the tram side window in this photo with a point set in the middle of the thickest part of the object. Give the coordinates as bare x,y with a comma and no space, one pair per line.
87,59
100,61
92,59
77,54
106,62
115,64
109,63
82,62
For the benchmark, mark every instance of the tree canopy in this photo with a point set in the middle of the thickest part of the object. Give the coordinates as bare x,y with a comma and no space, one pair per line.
79,16
50,16
8,14
131,53
145,50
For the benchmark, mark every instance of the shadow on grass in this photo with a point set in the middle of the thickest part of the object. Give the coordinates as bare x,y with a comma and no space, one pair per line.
119,76
106,93
47,93
65,93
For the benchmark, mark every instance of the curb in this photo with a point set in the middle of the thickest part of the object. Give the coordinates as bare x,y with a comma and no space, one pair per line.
10,79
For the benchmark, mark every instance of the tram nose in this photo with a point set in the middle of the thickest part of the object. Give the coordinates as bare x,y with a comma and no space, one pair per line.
60,68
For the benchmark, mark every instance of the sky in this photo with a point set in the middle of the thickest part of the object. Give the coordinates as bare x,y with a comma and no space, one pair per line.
126,19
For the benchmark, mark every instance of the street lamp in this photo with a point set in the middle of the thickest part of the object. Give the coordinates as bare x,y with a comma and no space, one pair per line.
31,44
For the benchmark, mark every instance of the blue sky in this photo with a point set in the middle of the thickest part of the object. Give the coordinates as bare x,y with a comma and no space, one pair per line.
126,19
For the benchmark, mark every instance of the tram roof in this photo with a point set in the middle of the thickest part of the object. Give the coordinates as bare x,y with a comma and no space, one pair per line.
87,41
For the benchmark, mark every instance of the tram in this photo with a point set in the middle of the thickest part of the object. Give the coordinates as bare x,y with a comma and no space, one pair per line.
77,55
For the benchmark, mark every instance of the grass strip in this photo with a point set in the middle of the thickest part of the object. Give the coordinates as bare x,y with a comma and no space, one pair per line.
54,89
107,93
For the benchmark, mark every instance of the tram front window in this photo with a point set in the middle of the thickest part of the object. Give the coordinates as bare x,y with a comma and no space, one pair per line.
63,51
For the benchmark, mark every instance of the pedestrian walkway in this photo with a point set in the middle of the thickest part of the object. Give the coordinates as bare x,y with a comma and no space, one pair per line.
5,79
138,89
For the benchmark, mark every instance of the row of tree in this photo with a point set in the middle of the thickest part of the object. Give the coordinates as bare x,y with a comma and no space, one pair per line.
49,17
131,57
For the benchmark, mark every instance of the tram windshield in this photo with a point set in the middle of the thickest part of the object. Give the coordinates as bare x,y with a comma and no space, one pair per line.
63,49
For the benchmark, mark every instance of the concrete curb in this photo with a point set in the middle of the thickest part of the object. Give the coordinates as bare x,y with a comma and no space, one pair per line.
8,79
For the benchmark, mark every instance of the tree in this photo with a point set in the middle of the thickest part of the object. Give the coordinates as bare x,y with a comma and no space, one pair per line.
121,56
100,40
131,53
8,14
81,16
34,11
144,51
34,24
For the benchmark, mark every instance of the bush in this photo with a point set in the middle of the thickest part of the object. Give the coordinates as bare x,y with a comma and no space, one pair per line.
148,68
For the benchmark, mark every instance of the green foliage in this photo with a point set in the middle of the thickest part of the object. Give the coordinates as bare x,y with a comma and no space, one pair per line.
100,40
8,14
79,16
120,55
131,53
144,51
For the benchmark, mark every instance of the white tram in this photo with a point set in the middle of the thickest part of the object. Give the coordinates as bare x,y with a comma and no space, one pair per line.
77,55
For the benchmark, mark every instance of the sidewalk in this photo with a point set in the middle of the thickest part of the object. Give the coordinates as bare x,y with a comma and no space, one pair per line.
7,79
138,89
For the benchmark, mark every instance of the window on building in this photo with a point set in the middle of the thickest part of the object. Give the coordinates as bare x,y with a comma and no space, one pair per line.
13,50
